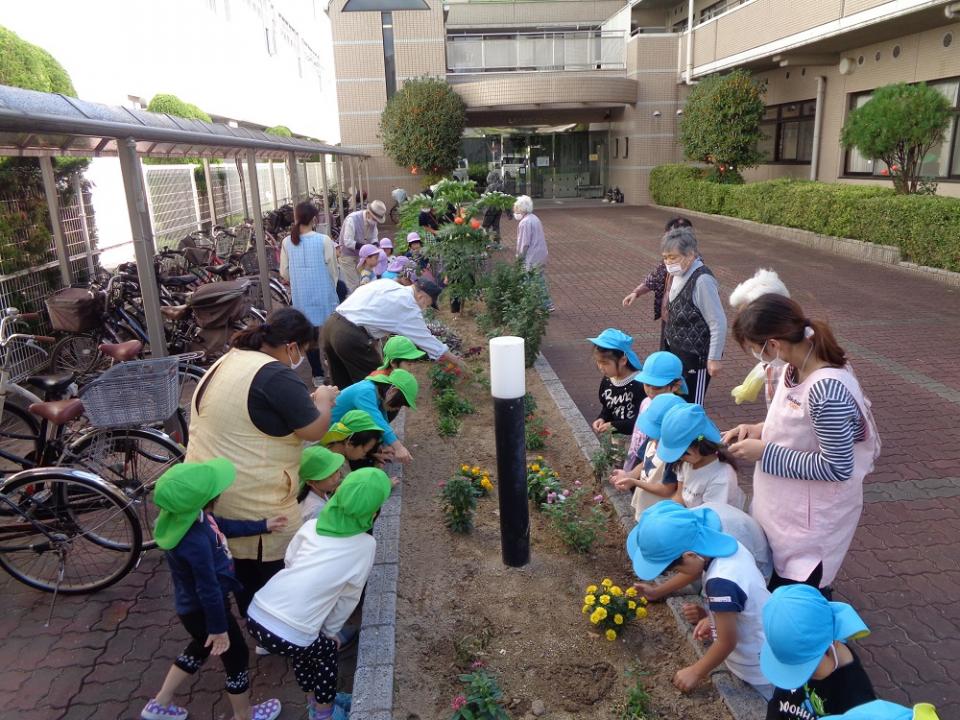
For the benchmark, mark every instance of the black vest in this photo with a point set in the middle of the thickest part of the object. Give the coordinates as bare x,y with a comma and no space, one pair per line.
687,331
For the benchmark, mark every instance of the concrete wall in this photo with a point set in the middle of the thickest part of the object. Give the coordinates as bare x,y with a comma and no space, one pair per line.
466,15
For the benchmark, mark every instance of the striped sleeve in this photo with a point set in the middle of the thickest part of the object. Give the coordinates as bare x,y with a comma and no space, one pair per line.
838,425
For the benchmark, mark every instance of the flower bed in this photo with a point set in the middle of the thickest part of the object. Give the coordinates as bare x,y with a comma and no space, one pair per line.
469,629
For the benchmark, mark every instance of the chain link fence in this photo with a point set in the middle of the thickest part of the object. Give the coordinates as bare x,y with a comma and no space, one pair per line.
173,201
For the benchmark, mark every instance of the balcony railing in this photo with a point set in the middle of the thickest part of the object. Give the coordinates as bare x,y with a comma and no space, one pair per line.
535,51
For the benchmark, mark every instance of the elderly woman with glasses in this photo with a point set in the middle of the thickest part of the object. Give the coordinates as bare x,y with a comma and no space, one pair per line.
696,327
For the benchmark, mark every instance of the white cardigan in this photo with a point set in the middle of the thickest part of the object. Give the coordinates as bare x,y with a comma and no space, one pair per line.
318,589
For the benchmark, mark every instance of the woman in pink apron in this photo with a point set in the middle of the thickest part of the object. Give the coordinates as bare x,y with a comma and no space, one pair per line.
818,442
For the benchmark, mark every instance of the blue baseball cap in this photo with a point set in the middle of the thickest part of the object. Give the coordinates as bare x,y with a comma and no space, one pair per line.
668,530
613,339
800,625
680,427
884,710
649,420
662,368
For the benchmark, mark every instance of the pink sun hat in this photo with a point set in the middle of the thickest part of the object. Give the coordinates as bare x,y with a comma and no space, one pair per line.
366,251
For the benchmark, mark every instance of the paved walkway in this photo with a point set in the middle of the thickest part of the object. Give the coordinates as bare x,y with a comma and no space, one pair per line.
903,333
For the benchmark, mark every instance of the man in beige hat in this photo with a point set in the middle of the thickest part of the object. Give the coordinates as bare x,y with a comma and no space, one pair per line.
359,229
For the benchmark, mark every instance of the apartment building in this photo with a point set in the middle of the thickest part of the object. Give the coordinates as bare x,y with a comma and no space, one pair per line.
569,97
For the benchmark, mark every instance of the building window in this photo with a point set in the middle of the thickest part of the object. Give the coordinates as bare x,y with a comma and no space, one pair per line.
941,162
383,5
788,132
719,8
616,147
626,148
679,27
389,54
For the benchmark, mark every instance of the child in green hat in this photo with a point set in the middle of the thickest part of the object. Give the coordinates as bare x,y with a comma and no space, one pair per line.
202,572
377,396
357,437
300,610
319,477
396,351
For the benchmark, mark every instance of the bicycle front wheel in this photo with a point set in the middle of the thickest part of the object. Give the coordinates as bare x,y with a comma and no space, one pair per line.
77,354
66,531
19,439
132,460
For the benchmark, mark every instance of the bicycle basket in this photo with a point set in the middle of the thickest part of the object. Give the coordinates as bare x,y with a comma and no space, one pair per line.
221,303
75,310
251,265
139,392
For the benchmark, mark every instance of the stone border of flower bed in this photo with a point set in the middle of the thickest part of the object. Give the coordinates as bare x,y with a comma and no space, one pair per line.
376,652
857,249
742,700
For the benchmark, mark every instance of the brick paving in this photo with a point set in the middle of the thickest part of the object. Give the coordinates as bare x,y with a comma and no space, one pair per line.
903,333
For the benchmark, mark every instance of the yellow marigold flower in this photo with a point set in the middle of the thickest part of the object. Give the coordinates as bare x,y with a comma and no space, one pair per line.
643,601
590,600
601,612
464,468
606,582
631,592
486,484
618,619
535,467
540,458
476,470
604,599
591,588
631,605
595,619
586,609
616,591
611,634
641,613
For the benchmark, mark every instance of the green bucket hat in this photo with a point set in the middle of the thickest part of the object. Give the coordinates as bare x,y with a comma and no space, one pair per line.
182,492
355,503
400,348
404,382
353,421
318,463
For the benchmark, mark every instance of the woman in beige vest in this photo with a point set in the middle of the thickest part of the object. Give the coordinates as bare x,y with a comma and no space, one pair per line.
253,409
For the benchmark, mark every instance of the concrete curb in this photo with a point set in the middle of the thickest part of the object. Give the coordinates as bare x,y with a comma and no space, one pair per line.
741,699
376,652
868,252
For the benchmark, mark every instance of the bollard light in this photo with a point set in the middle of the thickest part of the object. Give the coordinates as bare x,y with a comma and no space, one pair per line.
508,387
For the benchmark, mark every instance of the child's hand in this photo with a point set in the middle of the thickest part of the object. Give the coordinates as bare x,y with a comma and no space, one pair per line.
704,630
276,523
621,480
600,426
693,613
647,590
687,679
218,643
394,481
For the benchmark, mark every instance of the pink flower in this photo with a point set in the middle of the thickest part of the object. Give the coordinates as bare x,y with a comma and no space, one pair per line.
442,484
458,702
476,664
551,496
598,498
566,493
577,483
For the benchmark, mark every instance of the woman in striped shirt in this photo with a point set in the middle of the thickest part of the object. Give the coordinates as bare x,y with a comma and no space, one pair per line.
814,448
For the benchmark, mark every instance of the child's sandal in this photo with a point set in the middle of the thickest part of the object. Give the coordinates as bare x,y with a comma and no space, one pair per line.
267,710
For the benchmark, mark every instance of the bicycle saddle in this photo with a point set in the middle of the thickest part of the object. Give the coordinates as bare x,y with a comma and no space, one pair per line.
174,312
178,280
58,412
52,383
121,352
223,271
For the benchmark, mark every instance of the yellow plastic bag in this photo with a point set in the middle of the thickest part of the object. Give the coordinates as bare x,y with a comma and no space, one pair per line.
751,386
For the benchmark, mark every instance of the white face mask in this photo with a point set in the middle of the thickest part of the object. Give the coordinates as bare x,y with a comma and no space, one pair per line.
675,268
518,216
776,363
298,363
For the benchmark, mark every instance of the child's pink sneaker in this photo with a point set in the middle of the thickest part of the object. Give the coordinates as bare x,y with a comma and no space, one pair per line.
267,710
156,711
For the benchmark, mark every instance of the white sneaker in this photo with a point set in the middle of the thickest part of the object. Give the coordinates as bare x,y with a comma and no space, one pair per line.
261,651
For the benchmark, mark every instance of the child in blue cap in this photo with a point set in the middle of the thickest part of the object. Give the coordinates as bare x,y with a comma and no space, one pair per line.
620,392
883,710
662,374
708,472
670,536
806,657
652,480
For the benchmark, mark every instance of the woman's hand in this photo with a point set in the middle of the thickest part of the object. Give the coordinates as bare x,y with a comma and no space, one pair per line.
743,432
713,367
400,453
218,643
628,300
325,395
749,450
275,524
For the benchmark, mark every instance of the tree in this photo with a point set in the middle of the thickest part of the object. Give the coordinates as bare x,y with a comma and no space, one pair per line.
900,124
25,65
422,125
721,124
172,105
279,130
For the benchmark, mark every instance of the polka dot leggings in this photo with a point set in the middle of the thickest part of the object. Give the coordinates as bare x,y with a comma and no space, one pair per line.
314,666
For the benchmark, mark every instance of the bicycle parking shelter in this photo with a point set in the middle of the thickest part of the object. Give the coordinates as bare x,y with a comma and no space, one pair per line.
47,125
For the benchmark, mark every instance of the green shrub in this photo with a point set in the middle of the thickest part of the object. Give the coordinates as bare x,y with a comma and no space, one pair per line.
577,518
451,404
279,130
926,228
172,105
516,305
447,425
25,65
458,502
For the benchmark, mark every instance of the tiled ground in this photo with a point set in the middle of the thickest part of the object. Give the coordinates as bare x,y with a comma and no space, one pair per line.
903,333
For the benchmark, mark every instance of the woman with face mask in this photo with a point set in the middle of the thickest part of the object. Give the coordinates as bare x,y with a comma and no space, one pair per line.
696,325
253,409
814,448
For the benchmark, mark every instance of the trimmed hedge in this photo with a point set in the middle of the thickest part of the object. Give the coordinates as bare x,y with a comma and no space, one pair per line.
926,228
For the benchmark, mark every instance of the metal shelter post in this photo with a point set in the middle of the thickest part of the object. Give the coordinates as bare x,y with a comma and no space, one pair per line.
211,203
53,207
258,230
243,188
338,166
360,183
293,173
84,227
143,245
366,169
273,185
353,185
326,200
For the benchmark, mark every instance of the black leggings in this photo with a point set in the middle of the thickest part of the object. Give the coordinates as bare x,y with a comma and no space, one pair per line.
314,666
253,575
234,659
777,581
